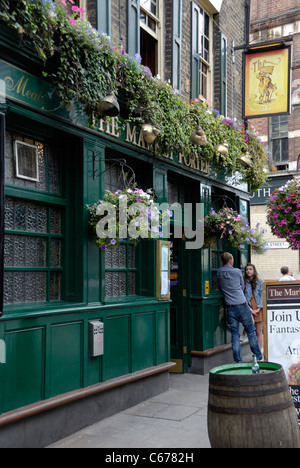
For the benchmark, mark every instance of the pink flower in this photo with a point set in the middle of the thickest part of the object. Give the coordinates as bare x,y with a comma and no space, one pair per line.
72,22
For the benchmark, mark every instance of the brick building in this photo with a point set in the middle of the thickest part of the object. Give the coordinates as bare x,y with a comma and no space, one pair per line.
165,34
272,20
55,284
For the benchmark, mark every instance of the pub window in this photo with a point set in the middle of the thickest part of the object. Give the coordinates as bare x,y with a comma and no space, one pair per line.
175,191
120,263
201,53
279,141
150,34
33,223
223,77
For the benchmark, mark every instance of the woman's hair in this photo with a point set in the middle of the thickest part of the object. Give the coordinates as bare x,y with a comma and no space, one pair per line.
253,279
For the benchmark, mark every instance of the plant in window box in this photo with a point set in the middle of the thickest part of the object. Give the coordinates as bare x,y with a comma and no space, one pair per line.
283,212
230,225
126,213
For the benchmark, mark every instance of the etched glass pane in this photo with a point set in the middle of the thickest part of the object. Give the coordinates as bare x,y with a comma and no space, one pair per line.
55,253
25,251
24,287
55,220
53,171
131,284
131,256
48,170
119,257
55,283
26,216
115,284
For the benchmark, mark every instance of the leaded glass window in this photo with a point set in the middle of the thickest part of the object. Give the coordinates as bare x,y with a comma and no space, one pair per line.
33,241
120,263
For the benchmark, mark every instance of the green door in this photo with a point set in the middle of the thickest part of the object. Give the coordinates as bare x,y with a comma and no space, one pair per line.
179,341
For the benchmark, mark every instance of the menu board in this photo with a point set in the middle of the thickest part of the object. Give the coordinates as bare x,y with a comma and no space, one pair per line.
163,270
282,331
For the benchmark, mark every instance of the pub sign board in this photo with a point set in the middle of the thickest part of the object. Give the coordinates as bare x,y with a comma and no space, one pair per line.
282,331
267,81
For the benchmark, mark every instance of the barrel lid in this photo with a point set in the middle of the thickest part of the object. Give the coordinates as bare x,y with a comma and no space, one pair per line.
245,368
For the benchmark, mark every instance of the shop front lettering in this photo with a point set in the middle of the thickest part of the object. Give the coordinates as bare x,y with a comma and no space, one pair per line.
263,192
284,292
134,136
21,87
283,317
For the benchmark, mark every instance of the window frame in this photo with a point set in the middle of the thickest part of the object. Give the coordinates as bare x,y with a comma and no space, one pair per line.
157,35
198,58
280,136
49,200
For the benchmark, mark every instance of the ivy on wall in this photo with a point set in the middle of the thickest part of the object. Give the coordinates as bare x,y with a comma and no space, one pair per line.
82,63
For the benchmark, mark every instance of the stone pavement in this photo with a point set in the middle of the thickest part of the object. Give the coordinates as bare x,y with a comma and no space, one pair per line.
176,418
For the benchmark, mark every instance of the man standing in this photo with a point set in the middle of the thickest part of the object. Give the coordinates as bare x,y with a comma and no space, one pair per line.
286,274
231,284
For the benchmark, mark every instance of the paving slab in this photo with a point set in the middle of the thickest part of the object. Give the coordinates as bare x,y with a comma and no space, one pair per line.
175,419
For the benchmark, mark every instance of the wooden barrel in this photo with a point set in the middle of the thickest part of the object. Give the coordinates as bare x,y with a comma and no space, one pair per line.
251,411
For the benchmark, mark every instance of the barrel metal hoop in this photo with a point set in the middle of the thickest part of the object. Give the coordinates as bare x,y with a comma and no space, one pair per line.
247,380
256,393
251,411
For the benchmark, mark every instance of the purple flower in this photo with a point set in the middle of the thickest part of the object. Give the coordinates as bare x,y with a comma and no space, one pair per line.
138,58
113,242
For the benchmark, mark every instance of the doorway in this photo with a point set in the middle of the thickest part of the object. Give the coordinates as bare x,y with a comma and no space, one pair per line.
178,309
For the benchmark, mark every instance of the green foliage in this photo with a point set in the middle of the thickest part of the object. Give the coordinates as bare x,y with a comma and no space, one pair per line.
84,64
283,212
126,212
228,224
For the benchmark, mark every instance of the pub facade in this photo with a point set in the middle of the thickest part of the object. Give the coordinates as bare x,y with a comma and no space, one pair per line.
56,282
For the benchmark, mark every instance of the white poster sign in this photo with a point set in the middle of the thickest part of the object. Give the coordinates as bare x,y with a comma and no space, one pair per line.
282,331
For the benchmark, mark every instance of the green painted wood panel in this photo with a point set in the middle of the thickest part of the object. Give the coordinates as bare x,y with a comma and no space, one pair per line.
66,357
162,333
23,382
117,345
143,341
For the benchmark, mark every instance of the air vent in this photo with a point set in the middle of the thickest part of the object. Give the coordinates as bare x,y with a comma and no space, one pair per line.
26,161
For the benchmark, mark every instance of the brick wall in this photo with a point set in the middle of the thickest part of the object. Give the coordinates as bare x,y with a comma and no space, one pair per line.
261,10
269,19
230,22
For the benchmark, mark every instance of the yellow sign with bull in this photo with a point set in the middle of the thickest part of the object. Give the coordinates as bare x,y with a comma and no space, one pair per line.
267,82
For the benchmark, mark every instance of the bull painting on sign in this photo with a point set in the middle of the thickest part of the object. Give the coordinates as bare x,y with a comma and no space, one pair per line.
267,85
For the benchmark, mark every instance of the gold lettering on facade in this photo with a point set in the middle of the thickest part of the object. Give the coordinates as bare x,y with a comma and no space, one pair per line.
191,161
22,87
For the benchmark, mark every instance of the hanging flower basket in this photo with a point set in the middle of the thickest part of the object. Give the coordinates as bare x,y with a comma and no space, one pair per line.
129,213
283,213
230,225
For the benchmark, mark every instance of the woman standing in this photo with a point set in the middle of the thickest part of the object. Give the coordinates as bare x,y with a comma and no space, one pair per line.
254,297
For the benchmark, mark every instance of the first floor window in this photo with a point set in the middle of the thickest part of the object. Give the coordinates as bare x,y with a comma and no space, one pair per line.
279,141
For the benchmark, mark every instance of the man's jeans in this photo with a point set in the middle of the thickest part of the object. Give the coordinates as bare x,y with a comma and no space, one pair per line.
242,314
